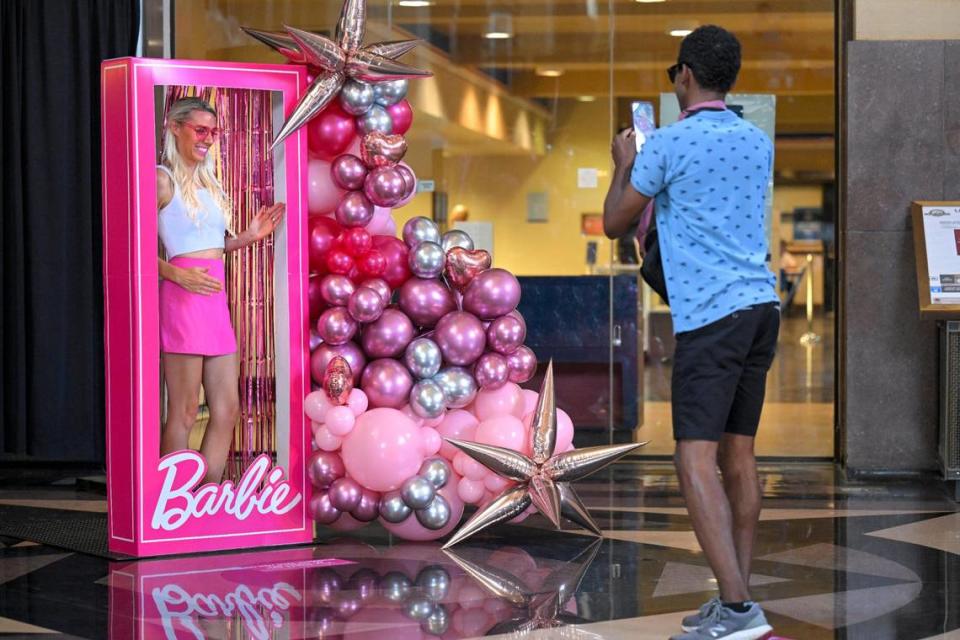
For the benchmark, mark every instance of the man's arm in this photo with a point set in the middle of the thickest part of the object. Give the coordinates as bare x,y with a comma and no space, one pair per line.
623,204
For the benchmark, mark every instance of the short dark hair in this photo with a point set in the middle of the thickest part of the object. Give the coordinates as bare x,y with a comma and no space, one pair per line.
713,55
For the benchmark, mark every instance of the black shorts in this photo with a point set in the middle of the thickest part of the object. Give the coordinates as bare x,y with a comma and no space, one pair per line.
720,374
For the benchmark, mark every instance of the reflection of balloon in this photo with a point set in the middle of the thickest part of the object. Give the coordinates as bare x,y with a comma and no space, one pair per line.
402,116
458,386
365,305
506,334
491,371
523,364
459,425
323,354
382,450
323,468
395,252
336,289
423,358
349,172
322,194
425,301
505,401
427,260
420,229
323,234
389,335
330,131
387,383
492,293
461,337
354,210
336,326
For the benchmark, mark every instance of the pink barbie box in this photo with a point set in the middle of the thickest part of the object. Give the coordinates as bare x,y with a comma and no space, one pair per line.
155,505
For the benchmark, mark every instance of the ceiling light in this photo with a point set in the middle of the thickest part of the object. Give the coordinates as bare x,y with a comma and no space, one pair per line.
586,98
549,72
680,33
499,26
416,3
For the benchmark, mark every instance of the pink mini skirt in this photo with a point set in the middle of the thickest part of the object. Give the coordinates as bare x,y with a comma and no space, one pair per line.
192,322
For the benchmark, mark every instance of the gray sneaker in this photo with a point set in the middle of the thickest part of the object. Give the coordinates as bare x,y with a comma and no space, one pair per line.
694,620
729,625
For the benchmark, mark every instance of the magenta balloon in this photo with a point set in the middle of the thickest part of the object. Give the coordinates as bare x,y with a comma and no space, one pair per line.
348,172
387,383
460,337
336,327
368,508
345,494
426,301
380,286
365,305
385,186
321,510
323,354
389,335
519,316
491,371
336,290
492,293
354,210
523,364
325,467
506,334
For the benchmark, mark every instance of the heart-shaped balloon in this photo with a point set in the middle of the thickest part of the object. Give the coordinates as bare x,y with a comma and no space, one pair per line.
381,150
338,380
462,266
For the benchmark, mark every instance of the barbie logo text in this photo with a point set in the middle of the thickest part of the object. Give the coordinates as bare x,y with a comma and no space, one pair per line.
184,469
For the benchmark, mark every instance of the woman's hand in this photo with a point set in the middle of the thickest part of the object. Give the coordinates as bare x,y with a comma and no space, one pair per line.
196,280
265,221
624,148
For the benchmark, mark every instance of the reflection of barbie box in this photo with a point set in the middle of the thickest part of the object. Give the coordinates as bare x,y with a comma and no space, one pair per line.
260,594
155,506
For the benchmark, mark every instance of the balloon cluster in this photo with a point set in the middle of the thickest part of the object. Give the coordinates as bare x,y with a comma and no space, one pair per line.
418,495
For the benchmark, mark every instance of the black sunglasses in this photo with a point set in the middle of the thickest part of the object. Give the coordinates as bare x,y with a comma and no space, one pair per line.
673,70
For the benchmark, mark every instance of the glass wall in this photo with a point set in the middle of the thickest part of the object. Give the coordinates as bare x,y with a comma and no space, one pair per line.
511,141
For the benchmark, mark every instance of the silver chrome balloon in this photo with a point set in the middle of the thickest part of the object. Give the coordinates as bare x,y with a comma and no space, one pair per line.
436,470
420,229
423,358
456,238
391,92
395,586
436,515
418,609
427,399
434,582
438,622
427,260
458,386
417,492
356,97
393,508
376,119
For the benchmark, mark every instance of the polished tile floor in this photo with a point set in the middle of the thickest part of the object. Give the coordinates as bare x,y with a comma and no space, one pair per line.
835,559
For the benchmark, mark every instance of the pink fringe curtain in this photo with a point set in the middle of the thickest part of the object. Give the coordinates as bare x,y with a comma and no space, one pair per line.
245,169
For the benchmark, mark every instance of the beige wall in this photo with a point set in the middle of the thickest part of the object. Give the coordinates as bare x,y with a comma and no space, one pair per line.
907,19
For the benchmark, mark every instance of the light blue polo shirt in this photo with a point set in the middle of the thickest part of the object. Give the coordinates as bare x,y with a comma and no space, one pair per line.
709,175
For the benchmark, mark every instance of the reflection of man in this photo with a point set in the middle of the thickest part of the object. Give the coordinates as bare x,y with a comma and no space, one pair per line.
708,174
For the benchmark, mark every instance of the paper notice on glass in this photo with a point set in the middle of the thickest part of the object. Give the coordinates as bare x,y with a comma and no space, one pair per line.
941,231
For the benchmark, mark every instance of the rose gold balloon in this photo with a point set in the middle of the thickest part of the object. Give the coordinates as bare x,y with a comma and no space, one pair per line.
338,381
463,266
380,150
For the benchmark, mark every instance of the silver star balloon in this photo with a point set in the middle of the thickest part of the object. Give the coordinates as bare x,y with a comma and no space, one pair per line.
545,605
338,60
541,480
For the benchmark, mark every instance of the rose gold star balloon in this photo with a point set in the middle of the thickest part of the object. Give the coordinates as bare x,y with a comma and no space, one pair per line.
541,480
338,60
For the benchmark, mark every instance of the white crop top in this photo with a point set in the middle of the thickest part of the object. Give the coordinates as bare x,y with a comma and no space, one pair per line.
180,234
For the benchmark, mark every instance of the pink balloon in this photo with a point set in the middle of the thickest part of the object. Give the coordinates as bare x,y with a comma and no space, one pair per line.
383,450
410,413
368,509
564,430
326,440
336,290
354,210
491,294
389,335
339,421
470,491
495,483
323,354
505,401
365,305
401,114
430,441
461,338
380,286
523,364
411,529
426,301
491,371
316,405
506,334
459,460
336,327
474,470
385,186
459,425
505,431
323,468
321,510
396,253
348,172
387,383
357,401
410,182
379,224
345,494
323,195
530,399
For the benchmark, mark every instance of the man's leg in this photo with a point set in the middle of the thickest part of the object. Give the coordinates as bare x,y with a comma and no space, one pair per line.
709,508
742,487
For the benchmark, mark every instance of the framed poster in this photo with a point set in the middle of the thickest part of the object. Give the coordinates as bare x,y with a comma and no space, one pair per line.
936,241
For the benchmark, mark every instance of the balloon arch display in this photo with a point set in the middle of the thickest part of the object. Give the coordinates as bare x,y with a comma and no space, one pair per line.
417,347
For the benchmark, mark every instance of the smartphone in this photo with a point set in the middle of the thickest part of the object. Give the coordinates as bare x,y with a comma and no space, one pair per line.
642,122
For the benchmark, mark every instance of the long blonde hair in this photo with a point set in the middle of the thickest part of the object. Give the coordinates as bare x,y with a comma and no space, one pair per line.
204,173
